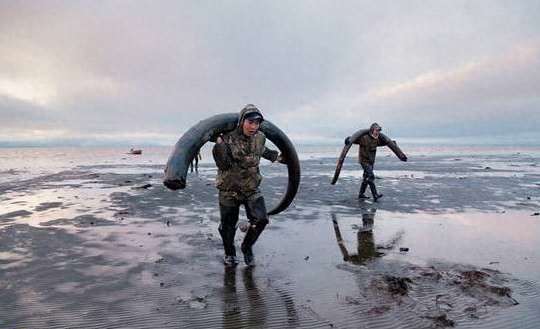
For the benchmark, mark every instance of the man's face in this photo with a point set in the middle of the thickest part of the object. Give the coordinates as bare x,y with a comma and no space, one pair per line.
250,127
375,133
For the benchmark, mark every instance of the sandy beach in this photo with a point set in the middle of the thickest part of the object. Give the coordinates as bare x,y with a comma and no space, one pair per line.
99,242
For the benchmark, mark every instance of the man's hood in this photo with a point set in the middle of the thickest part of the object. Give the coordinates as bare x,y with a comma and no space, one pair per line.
249,109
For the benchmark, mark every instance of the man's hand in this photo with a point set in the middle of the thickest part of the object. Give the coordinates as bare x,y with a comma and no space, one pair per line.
281,159
348,140
403,157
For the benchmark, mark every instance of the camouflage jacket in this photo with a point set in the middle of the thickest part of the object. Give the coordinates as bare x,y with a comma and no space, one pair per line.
368,148
237,158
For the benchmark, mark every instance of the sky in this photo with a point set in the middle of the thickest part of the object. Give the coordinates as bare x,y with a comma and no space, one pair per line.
90,72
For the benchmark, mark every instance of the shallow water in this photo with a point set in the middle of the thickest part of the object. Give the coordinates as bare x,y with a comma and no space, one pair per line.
85,244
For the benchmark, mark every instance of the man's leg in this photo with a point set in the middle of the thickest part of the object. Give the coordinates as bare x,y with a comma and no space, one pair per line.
363,186
258,218
229,209
369,177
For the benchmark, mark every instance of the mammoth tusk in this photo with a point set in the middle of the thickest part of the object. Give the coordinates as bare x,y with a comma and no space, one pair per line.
191,142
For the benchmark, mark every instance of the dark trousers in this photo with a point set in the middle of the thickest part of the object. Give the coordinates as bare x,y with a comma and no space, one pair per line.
229,208
368,179
368,175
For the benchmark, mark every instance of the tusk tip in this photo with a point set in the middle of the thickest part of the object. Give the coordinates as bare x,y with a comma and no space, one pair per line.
175,184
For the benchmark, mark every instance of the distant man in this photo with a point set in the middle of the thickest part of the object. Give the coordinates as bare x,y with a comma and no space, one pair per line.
195,162
366,157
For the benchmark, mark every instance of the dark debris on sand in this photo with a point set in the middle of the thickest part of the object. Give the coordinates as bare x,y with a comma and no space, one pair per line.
397,285
458,293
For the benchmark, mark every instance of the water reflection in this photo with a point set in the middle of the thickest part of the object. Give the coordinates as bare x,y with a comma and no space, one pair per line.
238,312
366,249
231,309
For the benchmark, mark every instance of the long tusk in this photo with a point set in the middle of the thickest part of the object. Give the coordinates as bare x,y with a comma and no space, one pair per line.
284,144
191,142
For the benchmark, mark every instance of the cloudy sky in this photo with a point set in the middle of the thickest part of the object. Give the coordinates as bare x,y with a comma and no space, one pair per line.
143,72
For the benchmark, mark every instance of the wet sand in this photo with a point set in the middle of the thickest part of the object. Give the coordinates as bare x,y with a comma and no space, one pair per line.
453,242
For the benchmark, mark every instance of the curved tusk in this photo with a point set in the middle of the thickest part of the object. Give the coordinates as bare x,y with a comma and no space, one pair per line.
344,152
191,142
284,144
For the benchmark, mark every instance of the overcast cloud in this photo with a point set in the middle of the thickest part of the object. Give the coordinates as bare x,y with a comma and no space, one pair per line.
146,71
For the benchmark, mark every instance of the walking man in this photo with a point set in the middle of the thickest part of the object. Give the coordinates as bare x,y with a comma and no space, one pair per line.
237,155
366,157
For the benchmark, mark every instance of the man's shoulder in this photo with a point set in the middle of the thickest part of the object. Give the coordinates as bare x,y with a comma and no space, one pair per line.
260,135
229,136
259,138
365,138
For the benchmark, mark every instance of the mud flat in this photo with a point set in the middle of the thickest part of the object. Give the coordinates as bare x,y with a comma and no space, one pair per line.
453,243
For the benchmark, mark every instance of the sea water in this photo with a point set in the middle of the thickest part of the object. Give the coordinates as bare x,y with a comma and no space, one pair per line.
23,163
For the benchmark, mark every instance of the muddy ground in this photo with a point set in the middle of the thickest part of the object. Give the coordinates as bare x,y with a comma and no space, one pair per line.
453,243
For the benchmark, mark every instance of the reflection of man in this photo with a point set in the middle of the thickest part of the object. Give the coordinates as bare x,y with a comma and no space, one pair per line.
231,309
364,236
232,306
258,311
366,244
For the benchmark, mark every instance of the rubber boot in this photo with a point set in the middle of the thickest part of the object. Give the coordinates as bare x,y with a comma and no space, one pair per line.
251,237
376,196
361,194
227,233
258,219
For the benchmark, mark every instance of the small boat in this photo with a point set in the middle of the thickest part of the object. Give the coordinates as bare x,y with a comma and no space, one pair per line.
132,151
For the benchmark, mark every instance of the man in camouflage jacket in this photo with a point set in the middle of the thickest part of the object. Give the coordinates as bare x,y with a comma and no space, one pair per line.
237,155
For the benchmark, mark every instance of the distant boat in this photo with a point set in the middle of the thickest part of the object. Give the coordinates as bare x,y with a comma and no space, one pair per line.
132,151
